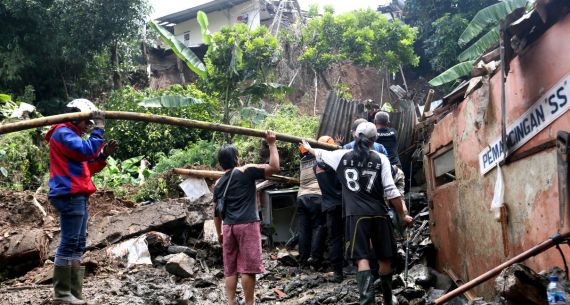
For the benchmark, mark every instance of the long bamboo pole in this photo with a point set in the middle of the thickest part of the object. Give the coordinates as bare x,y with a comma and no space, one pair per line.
218,174
153,118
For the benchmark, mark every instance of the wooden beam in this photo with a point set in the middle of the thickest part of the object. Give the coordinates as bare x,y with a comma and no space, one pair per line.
217,174
427,104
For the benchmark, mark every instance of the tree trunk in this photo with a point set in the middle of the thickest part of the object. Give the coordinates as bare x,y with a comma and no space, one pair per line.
115,65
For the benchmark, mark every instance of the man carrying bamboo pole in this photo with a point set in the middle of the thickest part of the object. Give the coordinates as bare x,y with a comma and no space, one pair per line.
72,162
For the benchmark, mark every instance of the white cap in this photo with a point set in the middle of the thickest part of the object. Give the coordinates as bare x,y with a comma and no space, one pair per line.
84,105
367,129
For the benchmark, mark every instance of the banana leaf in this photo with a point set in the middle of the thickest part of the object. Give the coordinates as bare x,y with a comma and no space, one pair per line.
203,21
169,101
5,98
237,59
489,16
453,73
254,115
184,53
479,47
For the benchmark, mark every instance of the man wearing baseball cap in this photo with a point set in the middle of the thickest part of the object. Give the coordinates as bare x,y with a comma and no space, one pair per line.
366,180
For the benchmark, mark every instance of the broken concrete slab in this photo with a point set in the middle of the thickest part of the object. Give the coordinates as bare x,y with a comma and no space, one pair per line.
181,265
158,216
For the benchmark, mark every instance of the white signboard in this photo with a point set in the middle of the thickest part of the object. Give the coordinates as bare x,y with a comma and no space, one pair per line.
554,103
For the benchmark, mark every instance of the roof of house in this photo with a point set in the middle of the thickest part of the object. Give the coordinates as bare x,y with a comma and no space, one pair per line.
191,13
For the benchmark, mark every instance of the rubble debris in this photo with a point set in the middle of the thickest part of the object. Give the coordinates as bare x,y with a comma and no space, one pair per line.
521,285
182,249
135,250
422,276
180,265
286,259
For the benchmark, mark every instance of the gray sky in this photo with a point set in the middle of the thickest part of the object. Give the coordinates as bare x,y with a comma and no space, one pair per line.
165,7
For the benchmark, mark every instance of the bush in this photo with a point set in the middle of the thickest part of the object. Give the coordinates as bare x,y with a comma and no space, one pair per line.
144,139
286,119
24,157
120,174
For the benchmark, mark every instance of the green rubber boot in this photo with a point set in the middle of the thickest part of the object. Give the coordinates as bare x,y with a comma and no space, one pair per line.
365,283
62,287
77,275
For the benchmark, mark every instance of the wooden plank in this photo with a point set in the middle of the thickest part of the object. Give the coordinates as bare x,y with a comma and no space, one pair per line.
217,174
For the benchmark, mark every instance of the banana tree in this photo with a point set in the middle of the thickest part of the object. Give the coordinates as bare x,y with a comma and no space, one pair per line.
183,52
228,69
487,19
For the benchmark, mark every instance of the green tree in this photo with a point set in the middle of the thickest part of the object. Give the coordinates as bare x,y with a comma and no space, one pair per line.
240,64
440,24
237,67
486,21
364,36
52,45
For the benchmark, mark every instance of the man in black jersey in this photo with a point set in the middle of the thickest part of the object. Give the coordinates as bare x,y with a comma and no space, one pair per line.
331,190
366,180
387,136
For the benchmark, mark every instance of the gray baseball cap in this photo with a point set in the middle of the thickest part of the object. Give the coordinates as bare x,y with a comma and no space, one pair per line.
367,129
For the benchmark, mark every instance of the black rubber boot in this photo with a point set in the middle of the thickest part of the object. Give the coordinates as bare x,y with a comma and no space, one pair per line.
365,287
62,287
77,276
386,284
338,276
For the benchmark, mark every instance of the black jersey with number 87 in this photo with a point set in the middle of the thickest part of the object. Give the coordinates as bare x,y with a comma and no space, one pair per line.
362,188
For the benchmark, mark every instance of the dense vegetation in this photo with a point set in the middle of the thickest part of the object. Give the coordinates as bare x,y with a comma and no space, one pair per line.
440,23
68,48
365,37
236,79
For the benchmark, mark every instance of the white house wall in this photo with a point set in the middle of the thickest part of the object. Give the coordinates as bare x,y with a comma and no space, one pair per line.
219,19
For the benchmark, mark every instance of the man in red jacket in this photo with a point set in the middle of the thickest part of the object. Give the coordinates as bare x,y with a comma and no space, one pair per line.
72,162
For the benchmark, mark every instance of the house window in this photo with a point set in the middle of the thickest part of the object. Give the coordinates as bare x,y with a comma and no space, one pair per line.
187,39
444,167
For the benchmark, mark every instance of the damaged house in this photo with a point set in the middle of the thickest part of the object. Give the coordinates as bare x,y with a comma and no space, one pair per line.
167,69
464,152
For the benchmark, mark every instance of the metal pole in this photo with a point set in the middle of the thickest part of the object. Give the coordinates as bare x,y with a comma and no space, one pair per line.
545,245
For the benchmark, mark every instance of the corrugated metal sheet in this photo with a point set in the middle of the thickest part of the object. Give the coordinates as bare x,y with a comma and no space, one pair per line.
338,116
404,121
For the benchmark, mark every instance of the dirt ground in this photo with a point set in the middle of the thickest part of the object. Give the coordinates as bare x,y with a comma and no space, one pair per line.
109,281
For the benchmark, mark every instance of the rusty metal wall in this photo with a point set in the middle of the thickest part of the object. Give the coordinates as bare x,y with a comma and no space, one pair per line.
466,235
338,116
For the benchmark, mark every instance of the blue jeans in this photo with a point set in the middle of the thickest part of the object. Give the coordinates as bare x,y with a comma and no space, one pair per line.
73,223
